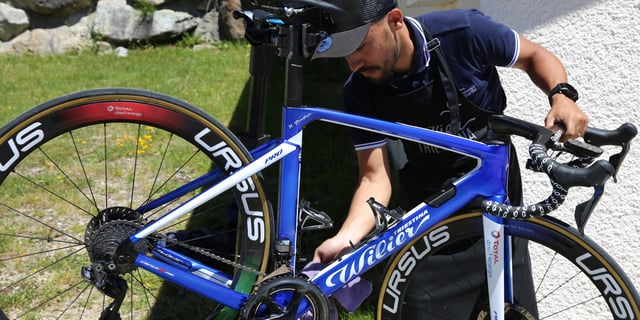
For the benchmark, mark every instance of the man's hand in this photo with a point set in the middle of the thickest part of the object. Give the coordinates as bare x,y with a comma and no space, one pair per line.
330,250
565,111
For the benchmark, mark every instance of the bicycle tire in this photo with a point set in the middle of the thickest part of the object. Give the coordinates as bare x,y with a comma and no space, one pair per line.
593,285
69,158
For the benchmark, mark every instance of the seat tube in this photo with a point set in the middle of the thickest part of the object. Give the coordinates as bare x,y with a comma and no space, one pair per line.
289,186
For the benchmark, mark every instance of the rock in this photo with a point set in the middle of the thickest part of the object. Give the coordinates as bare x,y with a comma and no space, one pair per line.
170,24
154,2
230,28
204,46
116,21
12,22
51,41
48,7
52,26
19,44
207,30
55,41
103,47
64,39
122,52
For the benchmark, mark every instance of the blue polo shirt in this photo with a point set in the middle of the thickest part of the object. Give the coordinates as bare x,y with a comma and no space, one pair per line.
473,46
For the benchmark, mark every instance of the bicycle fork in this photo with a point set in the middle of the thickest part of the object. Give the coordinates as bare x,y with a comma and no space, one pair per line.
497,248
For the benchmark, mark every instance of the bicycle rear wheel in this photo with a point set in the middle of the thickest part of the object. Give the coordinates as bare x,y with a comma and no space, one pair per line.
107,153
573,277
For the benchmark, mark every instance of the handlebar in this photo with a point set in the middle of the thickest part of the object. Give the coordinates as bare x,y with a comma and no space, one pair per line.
284,6
563,176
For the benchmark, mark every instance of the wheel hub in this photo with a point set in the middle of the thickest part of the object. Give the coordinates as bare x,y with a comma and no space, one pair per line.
511,312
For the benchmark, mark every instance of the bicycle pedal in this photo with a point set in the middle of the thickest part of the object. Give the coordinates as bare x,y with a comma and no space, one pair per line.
318,220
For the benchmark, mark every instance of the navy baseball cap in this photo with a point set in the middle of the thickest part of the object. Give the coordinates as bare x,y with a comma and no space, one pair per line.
348,28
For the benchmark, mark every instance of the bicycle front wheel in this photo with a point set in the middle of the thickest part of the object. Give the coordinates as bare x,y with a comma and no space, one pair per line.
571,277
75,175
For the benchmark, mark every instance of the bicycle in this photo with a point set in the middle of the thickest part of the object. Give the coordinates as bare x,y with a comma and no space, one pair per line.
73,193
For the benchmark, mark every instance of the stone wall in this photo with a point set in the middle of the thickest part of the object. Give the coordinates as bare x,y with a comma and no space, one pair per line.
57,26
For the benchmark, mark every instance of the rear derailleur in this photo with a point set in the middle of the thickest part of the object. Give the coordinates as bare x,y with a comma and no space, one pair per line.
112,253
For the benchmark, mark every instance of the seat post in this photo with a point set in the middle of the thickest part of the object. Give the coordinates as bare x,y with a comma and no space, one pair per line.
260,69
295,54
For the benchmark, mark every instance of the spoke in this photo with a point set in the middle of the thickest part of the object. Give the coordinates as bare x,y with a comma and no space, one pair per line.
546,271
55,194
86,302
168,179
106,170
42,252
40,269
157,174
559,286
53,297
145,290
77,242
135,167
41,222
76,298
572,307
84,171
64,173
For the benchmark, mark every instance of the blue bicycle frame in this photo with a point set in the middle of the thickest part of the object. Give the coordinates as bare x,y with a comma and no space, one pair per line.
486,180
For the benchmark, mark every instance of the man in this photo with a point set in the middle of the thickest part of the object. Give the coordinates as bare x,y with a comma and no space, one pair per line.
399,75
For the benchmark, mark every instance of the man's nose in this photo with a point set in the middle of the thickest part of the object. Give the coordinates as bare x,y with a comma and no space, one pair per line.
354,62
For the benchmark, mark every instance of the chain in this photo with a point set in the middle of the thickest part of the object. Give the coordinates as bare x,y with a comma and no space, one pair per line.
214,256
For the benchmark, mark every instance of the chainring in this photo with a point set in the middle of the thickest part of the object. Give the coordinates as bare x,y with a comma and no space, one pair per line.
286,297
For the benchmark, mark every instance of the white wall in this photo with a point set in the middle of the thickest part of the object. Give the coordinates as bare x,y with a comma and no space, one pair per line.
598,41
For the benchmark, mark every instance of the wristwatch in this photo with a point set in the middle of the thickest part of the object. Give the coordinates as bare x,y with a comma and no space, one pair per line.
565,89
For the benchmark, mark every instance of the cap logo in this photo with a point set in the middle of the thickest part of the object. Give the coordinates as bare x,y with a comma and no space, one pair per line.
325,44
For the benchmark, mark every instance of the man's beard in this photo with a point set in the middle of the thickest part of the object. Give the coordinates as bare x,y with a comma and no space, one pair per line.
382,80
387,66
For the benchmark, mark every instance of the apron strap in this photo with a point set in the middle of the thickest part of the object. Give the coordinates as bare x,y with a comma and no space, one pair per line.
450,89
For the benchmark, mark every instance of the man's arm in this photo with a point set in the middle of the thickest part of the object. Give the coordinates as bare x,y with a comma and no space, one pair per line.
375,181
546,71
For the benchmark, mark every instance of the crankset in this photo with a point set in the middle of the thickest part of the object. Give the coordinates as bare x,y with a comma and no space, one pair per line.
286,297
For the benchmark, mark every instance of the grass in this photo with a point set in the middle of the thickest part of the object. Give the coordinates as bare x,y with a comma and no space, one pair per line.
214,80
196,76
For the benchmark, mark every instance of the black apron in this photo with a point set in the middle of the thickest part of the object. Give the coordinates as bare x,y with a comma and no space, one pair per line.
439,105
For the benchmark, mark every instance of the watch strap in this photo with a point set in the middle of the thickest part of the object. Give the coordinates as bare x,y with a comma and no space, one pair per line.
566,89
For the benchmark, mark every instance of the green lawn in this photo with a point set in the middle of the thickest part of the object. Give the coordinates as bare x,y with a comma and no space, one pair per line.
196,76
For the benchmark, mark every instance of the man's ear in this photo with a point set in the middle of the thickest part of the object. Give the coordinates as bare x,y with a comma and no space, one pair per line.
395,18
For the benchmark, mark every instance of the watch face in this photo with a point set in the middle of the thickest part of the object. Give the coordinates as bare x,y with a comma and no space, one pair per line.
570,92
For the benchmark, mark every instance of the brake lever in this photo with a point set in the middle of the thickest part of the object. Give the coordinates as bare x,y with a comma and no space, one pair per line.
583,210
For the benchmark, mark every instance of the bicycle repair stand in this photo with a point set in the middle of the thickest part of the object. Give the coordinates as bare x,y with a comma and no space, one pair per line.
270,39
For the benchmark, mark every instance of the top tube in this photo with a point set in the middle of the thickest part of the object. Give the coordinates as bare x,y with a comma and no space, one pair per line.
296,118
